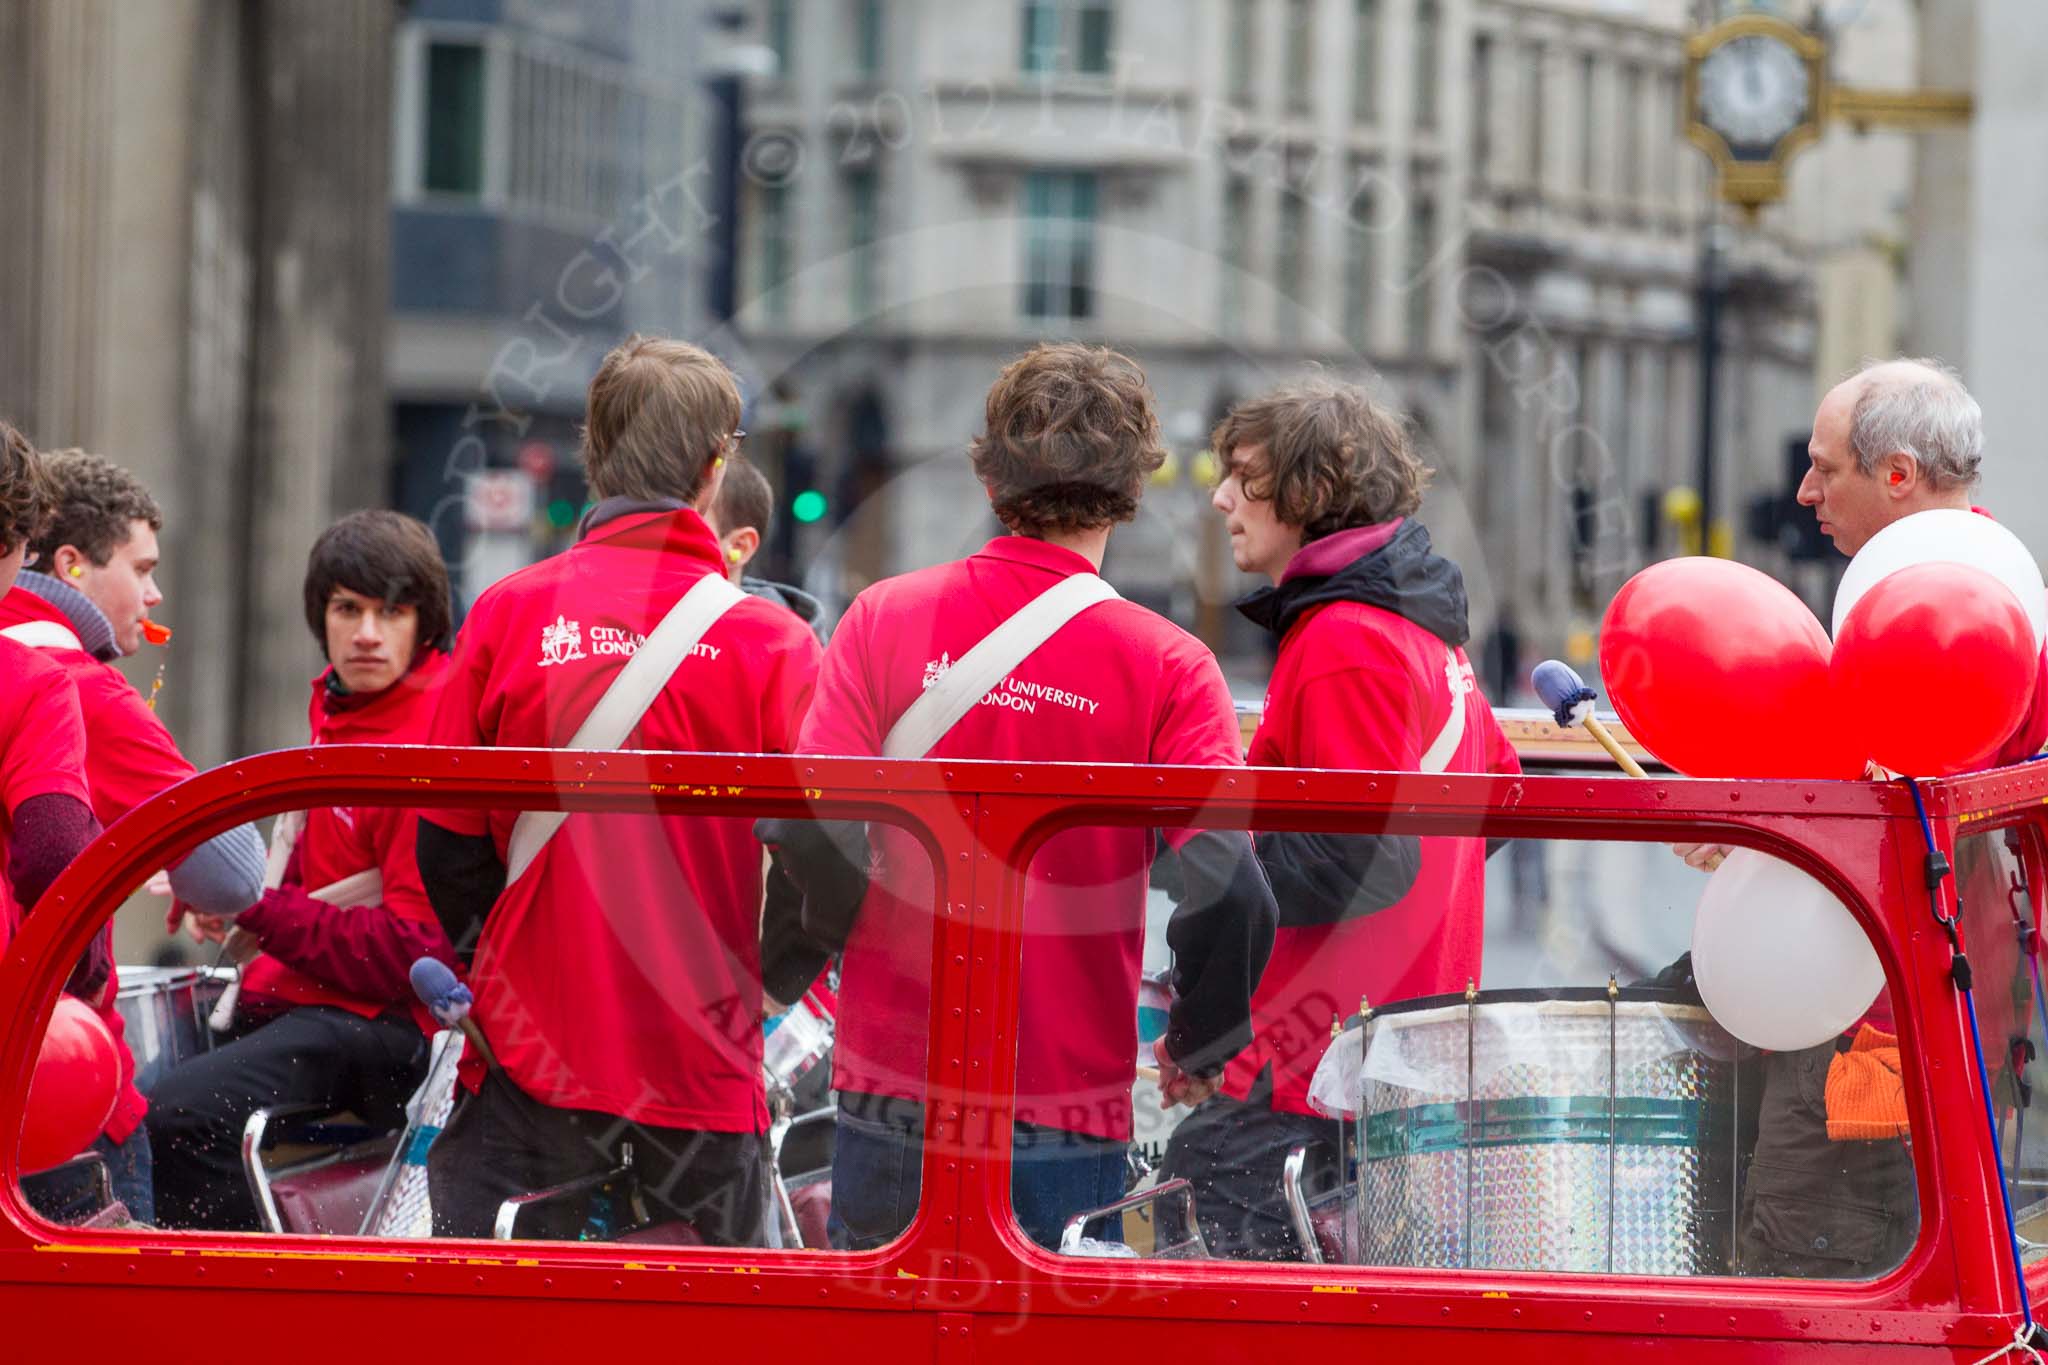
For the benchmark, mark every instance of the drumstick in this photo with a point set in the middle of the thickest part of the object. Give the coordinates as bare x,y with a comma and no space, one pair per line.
1571,703
242,946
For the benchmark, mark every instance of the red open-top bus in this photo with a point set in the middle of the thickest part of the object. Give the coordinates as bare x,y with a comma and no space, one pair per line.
964,1283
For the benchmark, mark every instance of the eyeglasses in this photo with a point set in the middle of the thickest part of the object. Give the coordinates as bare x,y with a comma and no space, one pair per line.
738,435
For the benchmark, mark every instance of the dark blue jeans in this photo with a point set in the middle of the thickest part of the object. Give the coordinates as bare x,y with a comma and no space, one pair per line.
65,1197
877,1177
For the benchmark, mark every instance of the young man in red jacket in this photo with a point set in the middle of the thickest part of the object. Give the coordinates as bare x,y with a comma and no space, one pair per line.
326,1010
86,603
618,969
1071,438
1320,489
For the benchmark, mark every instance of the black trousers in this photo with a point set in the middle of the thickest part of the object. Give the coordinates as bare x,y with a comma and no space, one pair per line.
1232,1152
1815,1208
315,1054
502,1142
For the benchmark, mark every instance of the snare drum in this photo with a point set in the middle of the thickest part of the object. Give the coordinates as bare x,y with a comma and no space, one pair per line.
1576,1130
165,1009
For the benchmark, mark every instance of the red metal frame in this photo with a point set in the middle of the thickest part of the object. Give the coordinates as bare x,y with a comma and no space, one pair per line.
963,1282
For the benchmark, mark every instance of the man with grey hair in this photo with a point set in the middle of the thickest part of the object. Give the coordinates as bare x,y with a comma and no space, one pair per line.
1895,438
1831,1194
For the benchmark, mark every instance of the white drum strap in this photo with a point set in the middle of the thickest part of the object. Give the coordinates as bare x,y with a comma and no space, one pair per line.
970,677
626,701
43,635
1437,757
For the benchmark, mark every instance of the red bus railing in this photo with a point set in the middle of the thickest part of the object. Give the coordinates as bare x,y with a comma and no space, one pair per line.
964,1281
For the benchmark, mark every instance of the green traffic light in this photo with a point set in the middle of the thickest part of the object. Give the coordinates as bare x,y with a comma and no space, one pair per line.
808,506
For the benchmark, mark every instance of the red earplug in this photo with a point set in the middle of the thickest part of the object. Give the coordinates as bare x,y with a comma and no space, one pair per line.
1897,477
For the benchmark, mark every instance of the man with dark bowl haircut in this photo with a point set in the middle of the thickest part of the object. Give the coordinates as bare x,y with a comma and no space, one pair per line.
326,1013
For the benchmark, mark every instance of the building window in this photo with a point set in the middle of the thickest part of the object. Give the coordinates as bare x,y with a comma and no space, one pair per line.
1421,241
1358,266
1629,124
1290,265
1244,50
1588,123
867,37
775,247
1066,37
860,238
1365,62
453,154
1059,244
779,28
1237,251
1428,52
1301,55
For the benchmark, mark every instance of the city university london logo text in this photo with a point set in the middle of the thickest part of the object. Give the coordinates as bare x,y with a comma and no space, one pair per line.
562,643
1011,693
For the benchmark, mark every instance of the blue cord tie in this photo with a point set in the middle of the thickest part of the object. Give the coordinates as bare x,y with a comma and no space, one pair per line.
1960,972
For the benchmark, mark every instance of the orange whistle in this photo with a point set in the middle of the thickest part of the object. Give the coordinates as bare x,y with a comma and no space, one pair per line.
154,633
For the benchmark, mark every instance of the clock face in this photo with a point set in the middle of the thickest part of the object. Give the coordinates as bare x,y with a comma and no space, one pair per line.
1753,91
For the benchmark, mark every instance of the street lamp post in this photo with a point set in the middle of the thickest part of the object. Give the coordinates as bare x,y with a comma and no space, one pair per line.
727,70
1713,285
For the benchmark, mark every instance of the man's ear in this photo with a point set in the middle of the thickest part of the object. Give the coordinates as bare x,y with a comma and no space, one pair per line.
743,545
63,560
714,478
1899,473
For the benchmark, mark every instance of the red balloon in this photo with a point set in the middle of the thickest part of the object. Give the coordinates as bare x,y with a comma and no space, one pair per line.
1722,672
72,1094
1935,668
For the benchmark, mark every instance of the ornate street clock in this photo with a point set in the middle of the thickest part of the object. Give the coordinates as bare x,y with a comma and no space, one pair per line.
1755,92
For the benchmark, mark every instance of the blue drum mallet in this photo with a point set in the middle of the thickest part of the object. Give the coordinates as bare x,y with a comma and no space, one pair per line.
1571,703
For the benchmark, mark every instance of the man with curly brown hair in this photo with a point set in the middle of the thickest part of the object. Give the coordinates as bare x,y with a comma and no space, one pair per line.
1035,658
1320,487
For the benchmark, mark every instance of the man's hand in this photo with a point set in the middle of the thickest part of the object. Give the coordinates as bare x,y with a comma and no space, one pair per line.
206,928
1705,857
1177,1086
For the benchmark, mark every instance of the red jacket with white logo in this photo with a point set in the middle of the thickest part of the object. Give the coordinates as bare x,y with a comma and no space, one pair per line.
129,758
1117,684
622,972
355,957
1360,685
42,748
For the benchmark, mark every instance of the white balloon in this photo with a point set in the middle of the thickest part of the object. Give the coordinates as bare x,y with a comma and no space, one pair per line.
1957,537
1780,961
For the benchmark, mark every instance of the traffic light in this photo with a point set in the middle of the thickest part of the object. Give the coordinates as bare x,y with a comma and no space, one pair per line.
808,506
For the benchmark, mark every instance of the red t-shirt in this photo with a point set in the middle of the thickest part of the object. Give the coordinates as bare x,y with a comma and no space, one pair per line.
42,748
1117,684
129,758
341,841
1357,686
622,972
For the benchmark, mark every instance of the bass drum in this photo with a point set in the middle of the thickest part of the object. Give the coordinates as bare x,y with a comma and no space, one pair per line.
1577,1130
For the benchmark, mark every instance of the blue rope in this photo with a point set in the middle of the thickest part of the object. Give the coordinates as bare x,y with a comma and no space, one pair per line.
2012,1237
